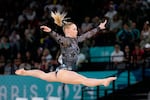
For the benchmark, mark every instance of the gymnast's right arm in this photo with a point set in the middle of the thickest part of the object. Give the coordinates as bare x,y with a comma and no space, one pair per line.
59,38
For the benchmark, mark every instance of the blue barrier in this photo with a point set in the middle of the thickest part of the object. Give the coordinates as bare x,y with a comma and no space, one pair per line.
13,86
101,54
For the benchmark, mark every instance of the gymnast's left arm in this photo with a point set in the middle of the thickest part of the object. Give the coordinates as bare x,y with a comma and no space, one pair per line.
92,32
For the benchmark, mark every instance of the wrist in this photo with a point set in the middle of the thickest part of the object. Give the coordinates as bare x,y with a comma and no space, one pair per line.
98,28
49,33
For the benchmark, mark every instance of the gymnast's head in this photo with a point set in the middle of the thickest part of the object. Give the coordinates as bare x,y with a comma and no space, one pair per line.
69,28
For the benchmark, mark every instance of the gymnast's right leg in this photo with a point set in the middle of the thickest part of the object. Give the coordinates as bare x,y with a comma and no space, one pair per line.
50,77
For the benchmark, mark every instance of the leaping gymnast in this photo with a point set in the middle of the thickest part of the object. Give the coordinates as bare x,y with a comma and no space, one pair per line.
69,52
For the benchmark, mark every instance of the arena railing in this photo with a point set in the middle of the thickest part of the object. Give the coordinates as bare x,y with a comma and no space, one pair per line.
142,73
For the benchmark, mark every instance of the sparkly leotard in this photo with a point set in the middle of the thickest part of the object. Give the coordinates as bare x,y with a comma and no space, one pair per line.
69,48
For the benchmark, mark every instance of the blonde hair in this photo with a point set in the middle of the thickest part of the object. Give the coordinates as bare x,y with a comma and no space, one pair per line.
60,20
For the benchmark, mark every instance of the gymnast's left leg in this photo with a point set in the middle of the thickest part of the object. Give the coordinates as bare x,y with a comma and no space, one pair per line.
71,77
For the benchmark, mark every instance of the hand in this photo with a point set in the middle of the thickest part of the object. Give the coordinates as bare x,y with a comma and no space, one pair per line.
102,25
45,28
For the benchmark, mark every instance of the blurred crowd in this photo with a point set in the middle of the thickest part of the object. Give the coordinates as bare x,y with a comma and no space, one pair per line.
24,45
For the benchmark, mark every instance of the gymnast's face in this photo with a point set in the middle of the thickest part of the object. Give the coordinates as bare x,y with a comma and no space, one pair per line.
70,30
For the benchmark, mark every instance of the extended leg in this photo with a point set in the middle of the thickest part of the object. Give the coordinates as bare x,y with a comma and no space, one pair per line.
51,76
71,77
65,76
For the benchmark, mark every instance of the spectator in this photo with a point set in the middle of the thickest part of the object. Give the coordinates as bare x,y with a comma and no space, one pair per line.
115,23
44,64
117,57
135,33
147,55
111,12
127,56
14,42
95,21
45,18
86,25
145,34
53,6
137,56
46,60
28,57
19,56
38,54
10,68
14,39
29,33
25,65
47,55
5,47
30,14
18,59
124,36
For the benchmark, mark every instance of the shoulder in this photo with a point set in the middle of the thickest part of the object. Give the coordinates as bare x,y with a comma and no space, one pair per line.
121,52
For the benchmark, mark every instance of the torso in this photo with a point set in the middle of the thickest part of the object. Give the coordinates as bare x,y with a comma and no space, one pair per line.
70,52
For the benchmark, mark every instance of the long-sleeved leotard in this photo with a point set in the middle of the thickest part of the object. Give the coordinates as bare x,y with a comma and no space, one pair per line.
69,51
69,47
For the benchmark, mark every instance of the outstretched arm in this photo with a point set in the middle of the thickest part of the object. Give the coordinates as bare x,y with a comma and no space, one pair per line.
45,28
53,34
92,32
59,38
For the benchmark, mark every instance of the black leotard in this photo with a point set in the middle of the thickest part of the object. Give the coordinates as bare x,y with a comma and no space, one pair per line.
69,47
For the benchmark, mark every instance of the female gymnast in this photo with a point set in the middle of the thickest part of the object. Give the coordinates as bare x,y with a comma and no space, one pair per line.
69,51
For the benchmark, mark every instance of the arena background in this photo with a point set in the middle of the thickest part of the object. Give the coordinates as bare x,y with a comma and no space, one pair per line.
20,35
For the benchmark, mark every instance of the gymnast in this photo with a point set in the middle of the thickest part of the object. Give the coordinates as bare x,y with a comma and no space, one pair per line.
69,52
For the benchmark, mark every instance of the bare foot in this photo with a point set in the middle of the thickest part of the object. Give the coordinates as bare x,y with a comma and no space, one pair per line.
20,71
108,80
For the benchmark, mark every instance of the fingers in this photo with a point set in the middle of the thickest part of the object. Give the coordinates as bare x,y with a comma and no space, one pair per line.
42,27
105,21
